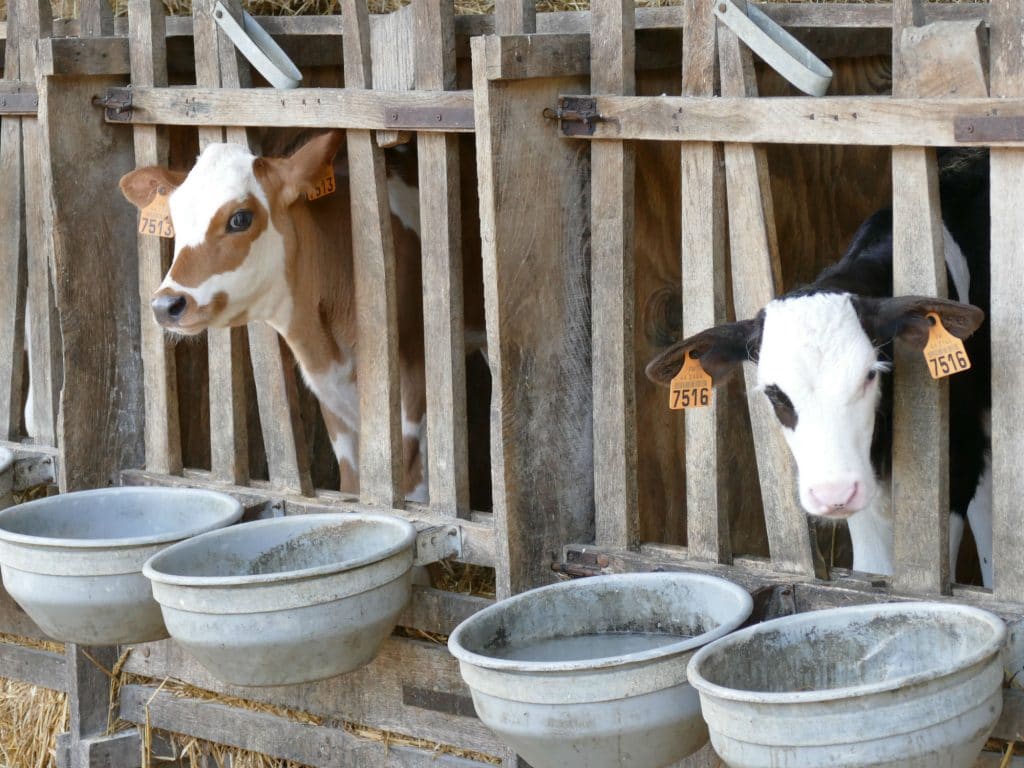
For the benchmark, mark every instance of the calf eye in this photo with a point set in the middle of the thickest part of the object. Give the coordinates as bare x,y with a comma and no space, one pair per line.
872,374
784,409
240,221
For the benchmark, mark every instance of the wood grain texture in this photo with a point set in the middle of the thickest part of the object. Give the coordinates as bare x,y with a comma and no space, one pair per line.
703,289
536,289
1007,264
148,49
393,43
441,248
515,17
96,18
756,277
313,745
612,218
373,255
33,666
88,690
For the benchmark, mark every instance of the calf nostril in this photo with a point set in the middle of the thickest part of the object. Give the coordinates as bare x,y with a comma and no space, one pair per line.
834,496
169,308
177,308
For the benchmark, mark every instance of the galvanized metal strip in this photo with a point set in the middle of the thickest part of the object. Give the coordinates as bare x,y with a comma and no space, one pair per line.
24,103
436,118
999,128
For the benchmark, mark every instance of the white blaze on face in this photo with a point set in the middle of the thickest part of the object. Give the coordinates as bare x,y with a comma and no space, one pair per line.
223,175
815,351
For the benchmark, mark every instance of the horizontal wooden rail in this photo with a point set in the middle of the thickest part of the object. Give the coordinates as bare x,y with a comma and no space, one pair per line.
853,120
314,745
442,111
34,666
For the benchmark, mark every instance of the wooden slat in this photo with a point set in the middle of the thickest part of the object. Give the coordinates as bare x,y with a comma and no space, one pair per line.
44,342
515,17
393,45
703,293
373,253
920,450
513,57
613,169
12,261
755,279
313,745
855,120
435,610
88,688
1006,316
33,666
441,242
374,695
148,48
96,18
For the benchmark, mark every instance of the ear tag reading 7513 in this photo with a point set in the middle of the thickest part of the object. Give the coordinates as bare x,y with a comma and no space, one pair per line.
155,218
324,186
691,387
944,352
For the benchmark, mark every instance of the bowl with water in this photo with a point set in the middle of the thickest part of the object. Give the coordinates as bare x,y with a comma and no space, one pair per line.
593,672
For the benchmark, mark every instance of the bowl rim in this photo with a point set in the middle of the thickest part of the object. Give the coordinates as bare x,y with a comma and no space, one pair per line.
233,513
150,568
464,655
992,647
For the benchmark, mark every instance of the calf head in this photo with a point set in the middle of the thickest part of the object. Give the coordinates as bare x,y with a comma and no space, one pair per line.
234,233
818,363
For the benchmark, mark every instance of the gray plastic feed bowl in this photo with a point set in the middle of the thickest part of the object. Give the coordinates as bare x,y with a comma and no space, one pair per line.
582,706
74,561
288,600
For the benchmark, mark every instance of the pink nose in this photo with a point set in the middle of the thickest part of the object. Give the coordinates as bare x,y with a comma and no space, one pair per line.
833,497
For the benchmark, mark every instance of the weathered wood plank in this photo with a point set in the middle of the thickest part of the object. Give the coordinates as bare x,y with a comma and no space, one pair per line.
88,688
373,255
536,290
96,18
703,293
148,49
513,57
434,610
393,46
373,695
314,745
34,666
515,17
612,218
920,450
755,280
441,243
857,120
1005,318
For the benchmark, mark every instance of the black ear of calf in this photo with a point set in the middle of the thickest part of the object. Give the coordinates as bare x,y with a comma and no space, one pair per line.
721,350
907,317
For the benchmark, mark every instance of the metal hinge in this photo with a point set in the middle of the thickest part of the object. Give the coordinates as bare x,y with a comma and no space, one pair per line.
579,563
117,103
577,115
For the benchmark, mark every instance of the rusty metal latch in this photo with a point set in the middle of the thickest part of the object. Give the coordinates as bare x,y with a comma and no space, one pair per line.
577,115
580,563
117,104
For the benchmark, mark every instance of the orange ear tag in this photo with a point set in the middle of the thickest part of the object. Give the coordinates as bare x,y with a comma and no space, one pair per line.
324,186
691,387
944,352
155,218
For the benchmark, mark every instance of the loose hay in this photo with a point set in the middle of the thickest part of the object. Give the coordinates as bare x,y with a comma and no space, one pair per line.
30,716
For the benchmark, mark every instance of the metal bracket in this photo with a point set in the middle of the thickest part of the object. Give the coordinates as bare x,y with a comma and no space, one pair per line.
579,563
577,115
425,118
437,543
19,103
991,128
117,102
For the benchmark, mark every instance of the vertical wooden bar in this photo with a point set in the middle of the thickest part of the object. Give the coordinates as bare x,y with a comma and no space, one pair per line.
440,236
920,450
755,279
380,438
515,17
703,292
13,280
44,346
229,450
1006,311
613,167
148,51
95,17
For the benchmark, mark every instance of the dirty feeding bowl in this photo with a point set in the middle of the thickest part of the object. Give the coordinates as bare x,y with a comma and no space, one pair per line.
916,685
593,672
287,600
74,561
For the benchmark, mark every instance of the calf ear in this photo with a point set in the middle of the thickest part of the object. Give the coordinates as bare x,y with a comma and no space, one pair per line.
721,350
141,185
305,167
907,318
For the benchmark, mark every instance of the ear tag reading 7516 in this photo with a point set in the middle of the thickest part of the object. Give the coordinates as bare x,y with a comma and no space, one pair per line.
155,218
324,186
944,352
691,387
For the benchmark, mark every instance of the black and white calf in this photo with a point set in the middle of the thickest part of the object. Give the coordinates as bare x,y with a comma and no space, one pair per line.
822,351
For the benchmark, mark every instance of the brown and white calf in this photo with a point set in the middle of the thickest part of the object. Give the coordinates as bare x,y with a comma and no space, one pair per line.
250,246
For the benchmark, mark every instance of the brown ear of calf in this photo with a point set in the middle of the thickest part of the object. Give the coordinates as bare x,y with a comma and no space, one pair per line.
140,186
907,318
721,350
300,172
